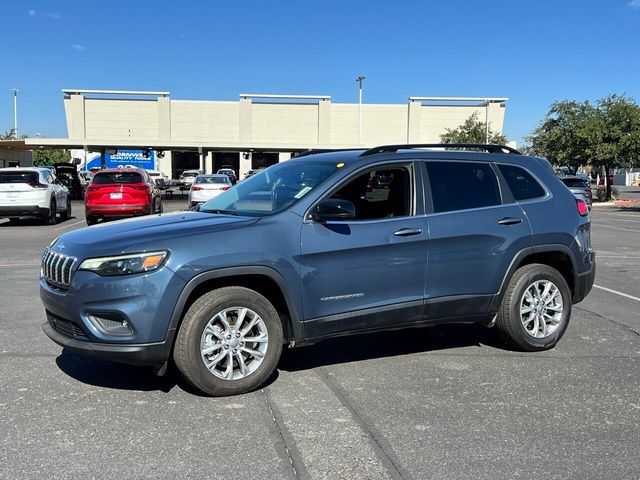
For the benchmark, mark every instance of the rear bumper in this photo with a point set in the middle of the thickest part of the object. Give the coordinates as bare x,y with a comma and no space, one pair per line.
117,211
132,354
584,283
23,211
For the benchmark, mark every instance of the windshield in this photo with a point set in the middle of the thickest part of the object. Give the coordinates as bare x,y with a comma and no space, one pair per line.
271,190
108,178
219,179
18,177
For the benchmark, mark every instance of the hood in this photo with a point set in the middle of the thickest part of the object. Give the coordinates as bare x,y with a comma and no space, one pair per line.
115,238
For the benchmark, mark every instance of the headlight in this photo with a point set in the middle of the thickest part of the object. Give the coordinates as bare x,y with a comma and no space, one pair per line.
125,264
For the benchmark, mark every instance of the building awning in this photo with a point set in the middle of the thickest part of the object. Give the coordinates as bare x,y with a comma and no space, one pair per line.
96,145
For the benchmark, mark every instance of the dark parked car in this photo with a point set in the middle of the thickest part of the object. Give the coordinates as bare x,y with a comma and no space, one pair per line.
68,175
306,250
119,193
579,187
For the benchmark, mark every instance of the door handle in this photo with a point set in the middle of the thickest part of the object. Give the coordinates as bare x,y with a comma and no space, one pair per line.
509,221
407,232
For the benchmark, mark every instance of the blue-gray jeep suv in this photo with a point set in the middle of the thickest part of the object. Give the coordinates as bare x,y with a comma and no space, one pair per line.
321,245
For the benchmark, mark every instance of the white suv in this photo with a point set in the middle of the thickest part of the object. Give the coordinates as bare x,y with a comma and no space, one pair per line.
33,192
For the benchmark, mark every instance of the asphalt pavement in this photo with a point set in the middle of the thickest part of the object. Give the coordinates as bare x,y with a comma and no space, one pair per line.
442,402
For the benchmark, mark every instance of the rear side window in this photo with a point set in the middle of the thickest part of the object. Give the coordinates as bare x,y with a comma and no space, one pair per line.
462,185
108,178
522,184
19,177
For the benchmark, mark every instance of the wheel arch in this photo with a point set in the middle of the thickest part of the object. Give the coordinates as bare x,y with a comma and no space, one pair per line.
264,280
556,256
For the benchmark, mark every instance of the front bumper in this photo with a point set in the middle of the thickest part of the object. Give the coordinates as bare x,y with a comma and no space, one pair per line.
132,354
145,301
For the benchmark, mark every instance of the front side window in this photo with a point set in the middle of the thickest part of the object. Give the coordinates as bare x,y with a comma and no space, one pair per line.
273,189
381,193
462,186
521,183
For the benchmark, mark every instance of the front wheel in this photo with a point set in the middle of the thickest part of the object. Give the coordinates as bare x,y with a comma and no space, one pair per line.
536,308
229,342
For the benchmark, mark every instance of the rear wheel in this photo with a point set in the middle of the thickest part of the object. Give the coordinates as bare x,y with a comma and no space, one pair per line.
66,215
91,221
229,342
536,308
51,214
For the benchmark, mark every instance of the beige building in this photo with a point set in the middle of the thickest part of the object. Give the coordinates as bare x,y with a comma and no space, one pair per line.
257,130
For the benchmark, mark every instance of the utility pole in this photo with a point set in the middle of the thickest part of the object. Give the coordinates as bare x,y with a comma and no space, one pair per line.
360,79
15,112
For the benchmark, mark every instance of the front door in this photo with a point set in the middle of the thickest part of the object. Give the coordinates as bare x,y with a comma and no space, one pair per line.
368,271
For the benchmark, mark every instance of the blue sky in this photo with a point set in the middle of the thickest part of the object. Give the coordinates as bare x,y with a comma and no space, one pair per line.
532,51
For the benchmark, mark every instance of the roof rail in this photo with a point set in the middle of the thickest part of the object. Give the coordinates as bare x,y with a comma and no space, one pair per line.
489,148
323,150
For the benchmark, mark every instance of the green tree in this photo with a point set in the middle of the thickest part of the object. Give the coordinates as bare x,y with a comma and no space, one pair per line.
603,134
8,135
50,156
472,131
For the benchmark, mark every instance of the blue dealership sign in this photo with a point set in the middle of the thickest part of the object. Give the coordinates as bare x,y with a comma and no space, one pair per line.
124,158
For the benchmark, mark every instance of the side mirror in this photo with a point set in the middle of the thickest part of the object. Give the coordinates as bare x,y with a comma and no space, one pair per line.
333,209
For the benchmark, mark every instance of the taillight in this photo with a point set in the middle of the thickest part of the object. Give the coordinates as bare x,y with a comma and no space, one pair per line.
583,210
37,185
195,189
226,188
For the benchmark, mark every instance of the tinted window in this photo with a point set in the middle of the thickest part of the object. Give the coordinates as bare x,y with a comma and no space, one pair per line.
19,177
574,182
379,194
461,185
107,178
522,184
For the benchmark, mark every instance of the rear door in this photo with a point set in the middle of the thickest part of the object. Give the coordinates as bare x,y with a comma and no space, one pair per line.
367,271
475,230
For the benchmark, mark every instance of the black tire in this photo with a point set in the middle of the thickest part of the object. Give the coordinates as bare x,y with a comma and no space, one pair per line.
187,356
52,216
509,323
14,220
91,221
66,215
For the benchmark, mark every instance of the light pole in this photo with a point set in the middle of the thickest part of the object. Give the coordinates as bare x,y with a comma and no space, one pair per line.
360,79
15,112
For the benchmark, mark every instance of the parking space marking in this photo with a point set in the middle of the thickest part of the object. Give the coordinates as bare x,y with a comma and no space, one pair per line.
14,265
71,225
626,295
601,225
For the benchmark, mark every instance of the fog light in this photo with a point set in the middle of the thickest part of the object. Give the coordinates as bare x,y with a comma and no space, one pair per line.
111,326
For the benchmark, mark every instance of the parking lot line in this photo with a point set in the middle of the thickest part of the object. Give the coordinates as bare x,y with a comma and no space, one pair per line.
14,265
70,225
602,225
617,292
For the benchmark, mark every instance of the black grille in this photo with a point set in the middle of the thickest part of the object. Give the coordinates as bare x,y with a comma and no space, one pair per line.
56,268
65,327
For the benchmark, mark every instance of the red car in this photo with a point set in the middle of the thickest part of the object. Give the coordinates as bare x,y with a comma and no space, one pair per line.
125,192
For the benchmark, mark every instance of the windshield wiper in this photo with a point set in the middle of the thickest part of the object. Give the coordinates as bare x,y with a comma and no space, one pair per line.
224,212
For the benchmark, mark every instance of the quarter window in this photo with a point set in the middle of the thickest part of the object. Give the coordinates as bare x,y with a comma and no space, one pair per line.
522,184
462,185
379,193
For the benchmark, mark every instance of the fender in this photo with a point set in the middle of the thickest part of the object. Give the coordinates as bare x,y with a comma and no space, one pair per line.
297,328
521,255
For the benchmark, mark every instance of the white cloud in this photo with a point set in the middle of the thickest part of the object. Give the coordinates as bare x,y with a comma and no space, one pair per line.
635,4
78,48
32,13
55,16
